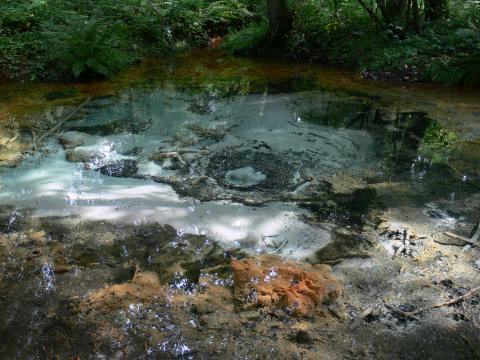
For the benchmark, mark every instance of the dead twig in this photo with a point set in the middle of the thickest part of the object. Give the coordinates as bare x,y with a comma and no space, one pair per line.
476,235
34,140
280,246
447,303
170,154
401,312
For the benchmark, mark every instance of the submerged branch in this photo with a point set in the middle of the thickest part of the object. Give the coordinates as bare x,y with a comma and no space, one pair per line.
38,143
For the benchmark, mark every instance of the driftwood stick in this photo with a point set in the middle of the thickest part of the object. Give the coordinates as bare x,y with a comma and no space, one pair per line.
61,122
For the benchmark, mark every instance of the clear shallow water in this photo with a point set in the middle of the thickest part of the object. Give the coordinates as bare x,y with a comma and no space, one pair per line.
148,185
265,132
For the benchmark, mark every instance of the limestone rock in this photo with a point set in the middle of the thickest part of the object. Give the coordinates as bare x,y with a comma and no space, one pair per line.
269,281
10,159
81,155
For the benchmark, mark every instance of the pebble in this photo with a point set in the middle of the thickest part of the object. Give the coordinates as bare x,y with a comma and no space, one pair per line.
477,264
466,248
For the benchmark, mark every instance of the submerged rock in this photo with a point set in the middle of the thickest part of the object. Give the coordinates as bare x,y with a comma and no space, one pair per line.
269,281
200,107
345,243
80,155
135,151
108,127
120,168
71,139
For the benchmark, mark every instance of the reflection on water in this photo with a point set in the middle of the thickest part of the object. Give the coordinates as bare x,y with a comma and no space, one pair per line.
113,236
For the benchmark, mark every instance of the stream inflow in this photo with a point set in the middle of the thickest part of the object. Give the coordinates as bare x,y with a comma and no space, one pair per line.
174,168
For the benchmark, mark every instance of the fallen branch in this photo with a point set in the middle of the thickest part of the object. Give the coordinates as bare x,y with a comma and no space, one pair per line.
61,122
447,303
464,239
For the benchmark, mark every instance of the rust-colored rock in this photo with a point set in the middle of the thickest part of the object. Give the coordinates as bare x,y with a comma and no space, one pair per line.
144,287
269,281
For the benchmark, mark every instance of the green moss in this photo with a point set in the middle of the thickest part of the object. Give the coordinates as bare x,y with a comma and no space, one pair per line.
439,144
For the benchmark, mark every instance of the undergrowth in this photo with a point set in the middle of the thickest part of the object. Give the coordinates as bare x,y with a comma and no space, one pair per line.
446,52
85,39
68,39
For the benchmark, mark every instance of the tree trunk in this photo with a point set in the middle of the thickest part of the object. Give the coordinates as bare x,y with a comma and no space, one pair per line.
279,18
436,9
393,11
415,16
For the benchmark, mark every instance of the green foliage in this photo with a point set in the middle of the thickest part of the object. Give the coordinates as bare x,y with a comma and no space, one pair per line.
446,52
86,49
67,39
221,15
247,39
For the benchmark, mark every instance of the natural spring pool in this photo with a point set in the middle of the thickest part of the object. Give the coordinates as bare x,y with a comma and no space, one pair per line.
117,231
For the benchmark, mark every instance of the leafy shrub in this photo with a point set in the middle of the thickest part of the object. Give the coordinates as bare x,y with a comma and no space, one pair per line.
221,16
86,49
246,40
67,39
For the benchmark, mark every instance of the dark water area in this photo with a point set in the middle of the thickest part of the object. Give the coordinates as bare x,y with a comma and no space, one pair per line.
117,233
